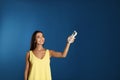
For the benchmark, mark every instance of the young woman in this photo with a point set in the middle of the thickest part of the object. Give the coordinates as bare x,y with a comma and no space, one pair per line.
38,58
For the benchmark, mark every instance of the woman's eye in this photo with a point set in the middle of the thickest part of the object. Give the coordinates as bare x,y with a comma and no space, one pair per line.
39,37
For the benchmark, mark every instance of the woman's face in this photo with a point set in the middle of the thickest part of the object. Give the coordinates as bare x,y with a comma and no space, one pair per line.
40,39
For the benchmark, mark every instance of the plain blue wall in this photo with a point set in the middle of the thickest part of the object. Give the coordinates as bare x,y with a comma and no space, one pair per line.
95,55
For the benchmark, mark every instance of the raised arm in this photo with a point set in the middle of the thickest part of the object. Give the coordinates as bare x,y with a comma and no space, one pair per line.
64,53
27,67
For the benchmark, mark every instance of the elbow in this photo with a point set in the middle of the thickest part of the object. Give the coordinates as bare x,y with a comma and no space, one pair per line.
64,56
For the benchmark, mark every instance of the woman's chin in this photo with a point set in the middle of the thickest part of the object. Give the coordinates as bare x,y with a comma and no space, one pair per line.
40,43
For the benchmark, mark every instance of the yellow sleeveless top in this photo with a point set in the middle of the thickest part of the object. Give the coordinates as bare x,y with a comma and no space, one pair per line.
40,68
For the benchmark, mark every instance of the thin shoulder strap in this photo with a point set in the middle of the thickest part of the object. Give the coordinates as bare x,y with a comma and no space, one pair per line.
48,53
30,55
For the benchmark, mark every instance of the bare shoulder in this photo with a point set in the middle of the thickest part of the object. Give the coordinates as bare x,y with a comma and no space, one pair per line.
51,51
28,54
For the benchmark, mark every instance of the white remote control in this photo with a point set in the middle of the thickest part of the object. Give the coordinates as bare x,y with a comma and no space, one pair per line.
74,34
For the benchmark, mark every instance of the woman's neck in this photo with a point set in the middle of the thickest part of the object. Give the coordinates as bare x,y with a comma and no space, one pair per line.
39,47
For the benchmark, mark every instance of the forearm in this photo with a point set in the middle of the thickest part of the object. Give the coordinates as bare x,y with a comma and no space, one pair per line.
64,54
26,75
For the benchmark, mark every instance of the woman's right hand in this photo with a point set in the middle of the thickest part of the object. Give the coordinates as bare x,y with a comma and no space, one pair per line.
70,39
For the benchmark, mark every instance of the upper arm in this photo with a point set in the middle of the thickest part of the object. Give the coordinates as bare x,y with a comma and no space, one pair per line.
27,66
27,56
55,54
27,60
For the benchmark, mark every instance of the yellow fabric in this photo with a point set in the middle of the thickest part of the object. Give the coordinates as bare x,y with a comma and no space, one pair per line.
40,68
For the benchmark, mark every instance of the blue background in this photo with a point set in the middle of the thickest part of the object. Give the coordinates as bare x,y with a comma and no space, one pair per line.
95,54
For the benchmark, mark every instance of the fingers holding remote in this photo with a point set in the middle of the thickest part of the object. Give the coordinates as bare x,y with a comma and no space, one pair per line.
71,39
